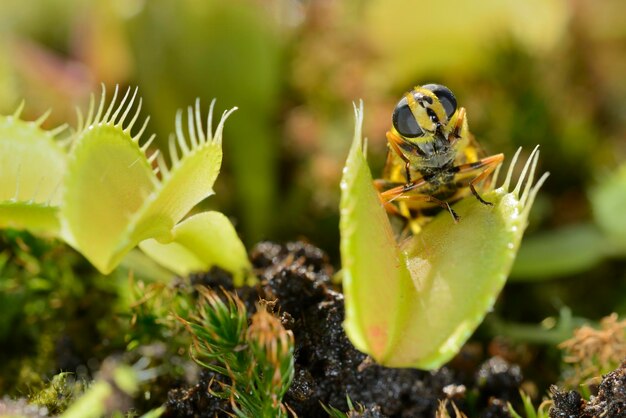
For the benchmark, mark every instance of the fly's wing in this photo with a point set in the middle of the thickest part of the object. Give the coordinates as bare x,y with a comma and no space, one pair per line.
479,150
468,150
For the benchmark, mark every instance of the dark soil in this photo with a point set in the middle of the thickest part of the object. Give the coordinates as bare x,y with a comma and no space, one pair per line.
327,367
609,402
195,401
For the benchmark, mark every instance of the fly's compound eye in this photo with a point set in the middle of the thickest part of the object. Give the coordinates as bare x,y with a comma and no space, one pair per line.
404,121
445,96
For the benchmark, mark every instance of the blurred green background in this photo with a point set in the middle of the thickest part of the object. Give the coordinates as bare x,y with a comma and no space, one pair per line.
548,72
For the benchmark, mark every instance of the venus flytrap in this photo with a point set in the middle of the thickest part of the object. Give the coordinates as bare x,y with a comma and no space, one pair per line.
414,303
107,195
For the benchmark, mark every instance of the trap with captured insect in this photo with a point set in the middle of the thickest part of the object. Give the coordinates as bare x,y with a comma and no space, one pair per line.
414,301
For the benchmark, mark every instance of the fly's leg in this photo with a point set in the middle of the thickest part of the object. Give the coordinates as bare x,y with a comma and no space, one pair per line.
460,127
484,167
394,143
381,185
394,193
428,198
399,193
460,131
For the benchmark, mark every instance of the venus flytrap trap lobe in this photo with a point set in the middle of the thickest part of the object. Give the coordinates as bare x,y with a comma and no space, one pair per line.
105,197
32,165
414,303
108,179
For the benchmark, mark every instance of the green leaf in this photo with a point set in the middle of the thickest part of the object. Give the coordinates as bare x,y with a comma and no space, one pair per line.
200,242
608,200
569,250
414,303
550,332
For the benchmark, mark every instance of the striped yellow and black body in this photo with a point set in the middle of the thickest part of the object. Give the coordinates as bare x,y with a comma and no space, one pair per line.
433,160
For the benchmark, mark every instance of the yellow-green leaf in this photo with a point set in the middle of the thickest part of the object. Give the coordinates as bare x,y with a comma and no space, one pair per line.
608,200
566,251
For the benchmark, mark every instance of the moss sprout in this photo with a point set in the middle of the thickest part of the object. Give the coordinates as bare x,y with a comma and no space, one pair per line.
256,358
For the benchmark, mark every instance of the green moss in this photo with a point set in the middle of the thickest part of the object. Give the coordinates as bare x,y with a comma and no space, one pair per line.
58,394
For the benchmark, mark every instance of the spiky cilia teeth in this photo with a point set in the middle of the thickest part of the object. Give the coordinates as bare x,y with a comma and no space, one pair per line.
187,138
120,121
53,132
531,163
217,136
19,110
162,166
529,198
509,174
358,114
198,135
107,114
173,150
147,144
116,114
154,156
525,179
41,119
